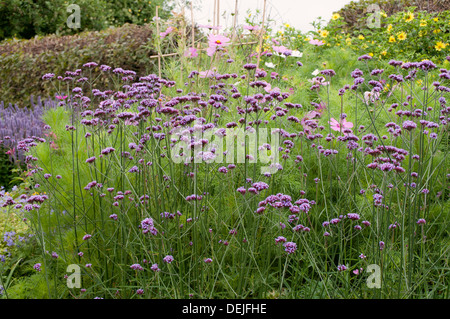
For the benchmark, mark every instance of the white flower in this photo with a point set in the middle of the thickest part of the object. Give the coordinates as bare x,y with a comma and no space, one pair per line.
281,55
316,72
296,54
270,65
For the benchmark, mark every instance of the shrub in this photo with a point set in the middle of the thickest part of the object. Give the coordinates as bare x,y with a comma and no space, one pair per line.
25,18
23,62
411,35
354,13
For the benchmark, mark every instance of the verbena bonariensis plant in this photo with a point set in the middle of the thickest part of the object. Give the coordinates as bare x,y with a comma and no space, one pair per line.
19,123
141,195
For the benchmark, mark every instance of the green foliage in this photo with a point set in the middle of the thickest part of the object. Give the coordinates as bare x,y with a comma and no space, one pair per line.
250,264
411,34
26,18
25,62
354,14
8,171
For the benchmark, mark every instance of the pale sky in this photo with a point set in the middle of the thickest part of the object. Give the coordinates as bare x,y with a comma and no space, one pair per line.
297,13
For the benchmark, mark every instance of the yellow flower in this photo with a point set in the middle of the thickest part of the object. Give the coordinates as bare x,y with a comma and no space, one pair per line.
436,31
307,39
389,28
371,54
383,53
324,33
401,36
422,33
409,17
440,45
391,39
361,37
423,23
435,19
348,41
336,16
287,25
383,14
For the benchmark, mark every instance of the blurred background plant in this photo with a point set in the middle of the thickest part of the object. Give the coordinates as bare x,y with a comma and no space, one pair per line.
25,19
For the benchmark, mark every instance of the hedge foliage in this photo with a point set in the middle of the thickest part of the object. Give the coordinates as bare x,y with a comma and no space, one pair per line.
24,62
27,18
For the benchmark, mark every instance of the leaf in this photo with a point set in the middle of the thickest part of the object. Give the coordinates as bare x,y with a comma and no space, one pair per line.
11,273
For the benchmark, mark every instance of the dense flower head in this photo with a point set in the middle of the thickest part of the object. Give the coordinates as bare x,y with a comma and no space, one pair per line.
290,247
168,259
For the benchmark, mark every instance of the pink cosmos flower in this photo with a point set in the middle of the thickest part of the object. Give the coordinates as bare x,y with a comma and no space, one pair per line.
251,27
319,80
281,49
316,42
336,126
210,27
208,73
371,96
269,89
191,53
216,41
165,33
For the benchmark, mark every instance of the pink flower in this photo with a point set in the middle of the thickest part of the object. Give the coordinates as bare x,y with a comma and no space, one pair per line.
210,27
53,145
280,49
61,97
216,41
269,89
318,81
316,42
357,271
309,122
165,33
321,107
336,126
208,73
251,27
11,151
371,96
191,53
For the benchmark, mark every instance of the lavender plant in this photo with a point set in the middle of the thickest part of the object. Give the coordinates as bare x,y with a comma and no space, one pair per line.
19,123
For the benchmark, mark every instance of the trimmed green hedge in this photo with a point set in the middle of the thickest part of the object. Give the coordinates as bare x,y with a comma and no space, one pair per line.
24,62
27,18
